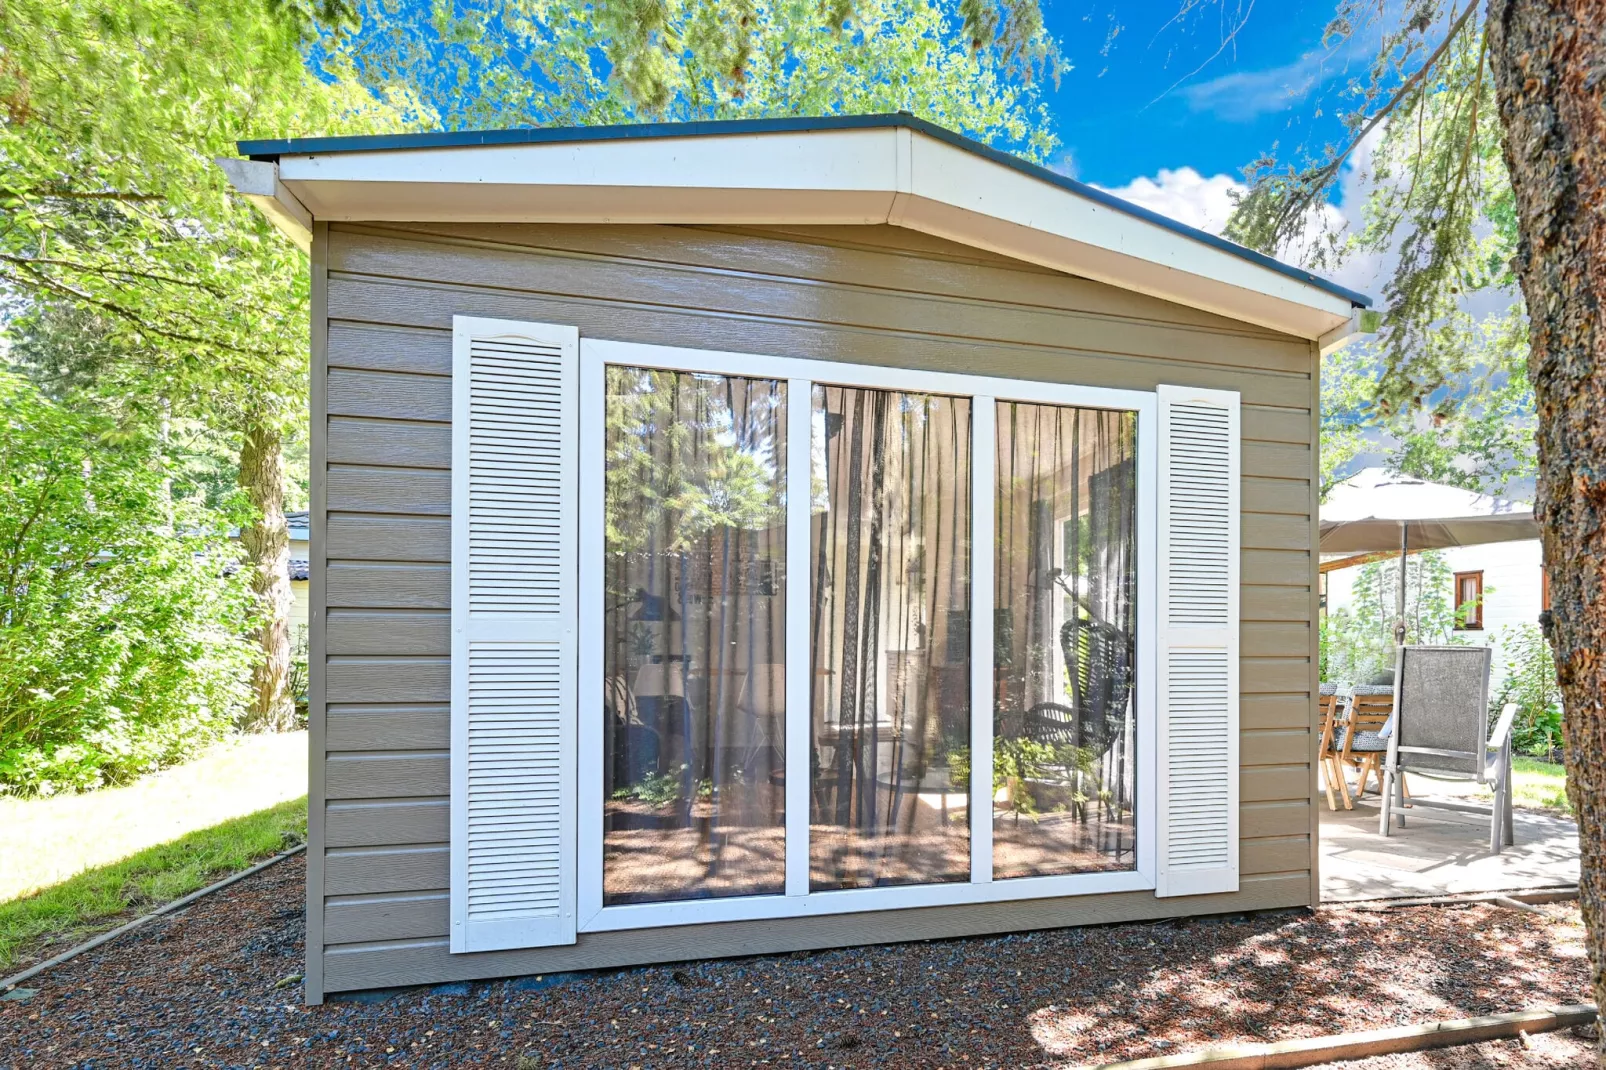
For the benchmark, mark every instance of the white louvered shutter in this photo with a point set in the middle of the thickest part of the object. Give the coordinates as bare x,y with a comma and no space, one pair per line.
515,404
1198,647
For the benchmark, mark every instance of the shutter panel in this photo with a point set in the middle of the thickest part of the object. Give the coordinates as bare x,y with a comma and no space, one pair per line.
1198,642
515,400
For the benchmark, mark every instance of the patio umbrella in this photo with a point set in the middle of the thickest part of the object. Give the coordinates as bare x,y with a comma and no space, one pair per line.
1376,511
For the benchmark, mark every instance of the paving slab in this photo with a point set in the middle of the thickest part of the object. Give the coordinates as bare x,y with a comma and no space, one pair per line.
1440,852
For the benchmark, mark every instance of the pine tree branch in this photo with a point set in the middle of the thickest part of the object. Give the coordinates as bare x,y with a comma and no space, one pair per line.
1312,187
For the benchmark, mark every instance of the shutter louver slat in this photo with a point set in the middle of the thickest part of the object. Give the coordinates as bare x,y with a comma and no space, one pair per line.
514,531
1198,693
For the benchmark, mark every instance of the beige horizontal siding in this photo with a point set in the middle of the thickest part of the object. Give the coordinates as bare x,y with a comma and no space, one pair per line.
854,256
423,726
401,962
381,822
865,295
973,306
418,304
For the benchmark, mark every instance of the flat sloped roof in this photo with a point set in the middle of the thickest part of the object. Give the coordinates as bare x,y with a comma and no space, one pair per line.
892,168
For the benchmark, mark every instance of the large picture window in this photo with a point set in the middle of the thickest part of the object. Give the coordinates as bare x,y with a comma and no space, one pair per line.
694,648
855,638
1064,640
890,601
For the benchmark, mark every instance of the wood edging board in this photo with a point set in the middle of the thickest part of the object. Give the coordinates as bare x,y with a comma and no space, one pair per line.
1313,1051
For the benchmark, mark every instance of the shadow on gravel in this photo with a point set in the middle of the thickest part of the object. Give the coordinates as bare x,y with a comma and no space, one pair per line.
210,986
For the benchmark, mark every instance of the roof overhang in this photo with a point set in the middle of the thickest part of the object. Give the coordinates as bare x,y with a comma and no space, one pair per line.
864,170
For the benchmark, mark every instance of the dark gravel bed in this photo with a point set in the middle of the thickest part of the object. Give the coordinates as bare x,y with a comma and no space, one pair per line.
199,989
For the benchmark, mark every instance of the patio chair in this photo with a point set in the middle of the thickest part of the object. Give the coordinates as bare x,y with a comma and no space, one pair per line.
1328,706
1363,744
1441,717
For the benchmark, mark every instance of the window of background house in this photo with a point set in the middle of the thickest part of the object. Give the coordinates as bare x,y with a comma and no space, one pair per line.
1469,600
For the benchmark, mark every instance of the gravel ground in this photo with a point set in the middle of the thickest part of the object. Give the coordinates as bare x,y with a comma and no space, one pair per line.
199,990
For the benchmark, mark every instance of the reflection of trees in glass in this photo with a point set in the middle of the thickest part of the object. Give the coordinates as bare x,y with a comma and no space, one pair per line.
694,645
689,453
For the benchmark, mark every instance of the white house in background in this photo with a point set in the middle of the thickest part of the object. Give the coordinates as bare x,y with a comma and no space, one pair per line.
1505,579
300,525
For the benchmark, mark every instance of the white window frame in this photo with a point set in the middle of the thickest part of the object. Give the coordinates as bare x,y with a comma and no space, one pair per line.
801,374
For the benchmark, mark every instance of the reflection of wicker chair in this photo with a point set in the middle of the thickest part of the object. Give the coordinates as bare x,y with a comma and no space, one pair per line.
1098,660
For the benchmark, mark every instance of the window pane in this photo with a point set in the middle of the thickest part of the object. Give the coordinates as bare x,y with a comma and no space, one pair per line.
890,594
694,636
1063,640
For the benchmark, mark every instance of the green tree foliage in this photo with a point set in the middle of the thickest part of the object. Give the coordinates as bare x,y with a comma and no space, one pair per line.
1357,642
1444,383
119,633
543,63
657,58
112,214
1528,678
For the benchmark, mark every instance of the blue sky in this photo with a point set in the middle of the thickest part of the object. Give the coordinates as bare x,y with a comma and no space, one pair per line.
1151,91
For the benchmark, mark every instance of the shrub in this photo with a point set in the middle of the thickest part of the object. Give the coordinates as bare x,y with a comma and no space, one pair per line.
1529,681
120,625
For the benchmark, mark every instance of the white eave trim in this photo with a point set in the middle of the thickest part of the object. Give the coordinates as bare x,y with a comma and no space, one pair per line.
259,183
892,175
1343,334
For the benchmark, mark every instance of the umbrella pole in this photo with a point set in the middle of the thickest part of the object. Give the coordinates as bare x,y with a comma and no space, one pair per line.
1399,595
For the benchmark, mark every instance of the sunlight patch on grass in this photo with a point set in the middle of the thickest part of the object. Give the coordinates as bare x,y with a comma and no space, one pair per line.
97,899
46,841
1539,785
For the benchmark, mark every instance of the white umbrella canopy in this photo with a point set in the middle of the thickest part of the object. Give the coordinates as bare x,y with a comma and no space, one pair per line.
1375,511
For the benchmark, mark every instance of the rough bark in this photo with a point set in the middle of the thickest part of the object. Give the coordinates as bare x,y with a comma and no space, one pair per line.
267,546
1549,61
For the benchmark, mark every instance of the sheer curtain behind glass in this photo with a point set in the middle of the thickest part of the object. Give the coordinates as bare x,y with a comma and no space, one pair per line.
1064,638
890,591
694,636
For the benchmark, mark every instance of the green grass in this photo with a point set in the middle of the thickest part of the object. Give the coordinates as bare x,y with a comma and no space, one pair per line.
102,898
1539,785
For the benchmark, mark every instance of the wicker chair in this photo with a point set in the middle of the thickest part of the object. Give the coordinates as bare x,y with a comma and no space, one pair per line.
1439,732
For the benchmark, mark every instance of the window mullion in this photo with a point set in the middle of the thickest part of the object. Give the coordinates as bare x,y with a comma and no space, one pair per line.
799,658
982,457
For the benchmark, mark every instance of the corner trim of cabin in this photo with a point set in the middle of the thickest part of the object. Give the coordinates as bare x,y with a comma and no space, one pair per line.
317,613
1315,476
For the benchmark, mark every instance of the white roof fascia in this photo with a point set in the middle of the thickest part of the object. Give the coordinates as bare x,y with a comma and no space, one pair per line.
868,176
259,183
1343,334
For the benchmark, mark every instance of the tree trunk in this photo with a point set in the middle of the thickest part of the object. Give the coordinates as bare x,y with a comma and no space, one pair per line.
1550,72
267,546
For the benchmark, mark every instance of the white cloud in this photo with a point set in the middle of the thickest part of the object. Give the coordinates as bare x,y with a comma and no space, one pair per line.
1189,197
1185,195
1244,96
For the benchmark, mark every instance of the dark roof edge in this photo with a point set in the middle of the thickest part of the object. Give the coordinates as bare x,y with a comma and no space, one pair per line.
271,150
